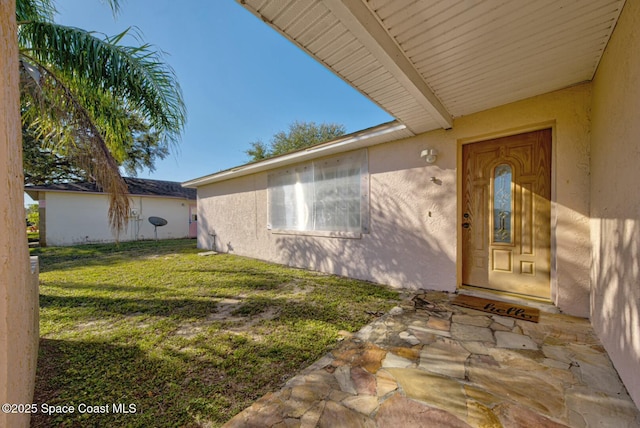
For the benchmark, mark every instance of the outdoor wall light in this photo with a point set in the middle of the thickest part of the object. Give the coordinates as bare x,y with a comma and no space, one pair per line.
429,155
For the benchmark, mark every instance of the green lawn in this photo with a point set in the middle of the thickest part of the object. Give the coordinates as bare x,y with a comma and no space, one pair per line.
187,340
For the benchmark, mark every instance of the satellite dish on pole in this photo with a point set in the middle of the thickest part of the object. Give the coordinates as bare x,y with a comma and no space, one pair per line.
157,222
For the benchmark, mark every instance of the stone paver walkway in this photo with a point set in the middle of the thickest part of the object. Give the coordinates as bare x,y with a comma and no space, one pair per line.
447,366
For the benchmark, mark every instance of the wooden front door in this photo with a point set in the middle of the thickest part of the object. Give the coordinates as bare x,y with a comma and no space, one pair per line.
506,220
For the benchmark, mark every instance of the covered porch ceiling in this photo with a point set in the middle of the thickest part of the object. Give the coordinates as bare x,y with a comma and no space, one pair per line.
428,61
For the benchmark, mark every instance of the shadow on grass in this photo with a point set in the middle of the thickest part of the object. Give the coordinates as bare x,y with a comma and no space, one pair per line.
111,288
339,315
187,369
259,279
52,258
168,307
172,388
98,374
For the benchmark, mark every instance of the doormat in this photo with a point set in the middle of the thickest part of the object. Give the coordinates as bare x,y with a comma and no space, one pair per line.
496,307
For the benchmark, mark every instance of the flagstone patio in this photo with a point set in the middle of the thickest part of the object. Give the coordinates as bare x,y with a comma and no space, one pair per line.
440,365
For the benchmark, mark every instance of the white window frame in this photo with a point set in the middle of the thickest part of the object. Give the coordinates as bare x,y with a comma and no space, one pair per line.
297,187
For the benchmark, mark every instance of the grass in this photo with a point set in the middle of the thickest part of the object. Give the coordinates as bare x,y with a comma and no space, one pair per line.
188,340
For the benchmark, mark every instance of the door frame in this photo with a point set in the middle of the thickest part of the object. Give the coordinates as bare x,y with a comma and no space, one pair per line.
553,278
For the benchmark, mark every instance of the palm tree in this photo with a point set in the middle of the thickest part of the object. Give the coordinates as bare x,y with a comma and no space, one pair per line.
79,91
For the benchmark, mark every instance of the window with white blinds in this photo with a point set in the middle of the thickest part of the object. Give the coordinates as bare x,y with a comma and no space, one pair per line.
326,195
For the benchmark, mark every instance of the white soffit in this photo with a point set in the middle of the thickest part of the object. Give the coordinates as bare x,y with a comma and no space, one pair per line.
426,61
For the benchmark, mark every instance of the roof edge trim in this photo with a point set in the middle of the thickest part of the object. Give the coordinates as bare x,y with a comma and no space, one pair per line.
353,141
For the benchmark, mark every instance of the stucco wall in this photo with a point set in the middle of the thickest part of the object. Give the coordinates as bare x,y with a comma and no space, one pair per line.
73,218
401,250
615,204
236,212
18,287
413,239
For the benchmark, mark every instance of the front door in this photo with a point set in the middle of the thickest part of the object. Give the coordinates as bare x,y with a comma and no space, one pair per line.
506,220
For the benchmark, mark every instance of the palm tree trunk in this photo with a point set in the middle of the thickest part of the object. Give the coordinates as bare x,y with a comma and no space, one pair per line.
18,302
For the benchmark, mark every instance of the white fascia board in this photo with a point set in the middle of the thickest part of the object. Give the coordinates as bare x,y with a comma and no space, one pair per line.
377,135
82,192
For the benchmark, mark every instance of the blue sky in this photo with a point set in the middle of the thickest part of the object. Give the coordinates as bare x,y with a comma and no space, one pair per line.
241,80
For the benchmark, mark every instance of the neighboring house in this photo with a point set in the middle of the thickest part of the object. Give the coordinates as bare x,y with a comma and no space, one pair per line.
76,213
513,165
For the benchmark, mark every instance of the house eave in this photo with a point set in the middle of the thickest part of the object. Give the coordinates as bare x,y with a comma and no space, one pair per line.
384,133
429,62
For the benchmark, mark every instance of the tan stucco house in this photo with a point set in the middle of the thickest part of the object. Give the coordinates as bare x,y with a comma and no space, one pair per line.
77,213
512,166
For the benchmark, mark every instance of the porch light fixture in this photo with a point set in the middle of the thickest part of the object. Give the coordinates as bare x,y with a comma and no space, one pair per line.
429,155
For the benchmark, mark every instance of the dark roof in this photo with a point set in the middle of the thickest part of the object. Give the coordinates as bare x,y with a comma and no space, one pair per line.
137,186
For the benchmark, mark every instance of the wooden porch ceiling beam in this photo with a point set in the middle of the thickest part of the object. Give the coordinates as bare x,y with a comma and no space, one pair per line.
359,19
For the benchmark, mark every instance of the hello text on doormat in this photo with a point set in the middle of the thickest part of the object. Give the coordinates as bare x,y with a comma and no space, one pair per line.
495,307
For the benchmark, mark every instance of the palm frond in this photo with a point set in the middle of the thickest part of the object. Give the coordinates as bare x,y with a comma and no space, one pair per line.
44,10
114,5
34,10
134,74
80,90
51,109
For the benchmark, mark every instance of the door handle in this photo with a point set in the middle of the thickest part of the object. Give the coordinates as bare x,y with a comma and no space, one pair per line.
466,225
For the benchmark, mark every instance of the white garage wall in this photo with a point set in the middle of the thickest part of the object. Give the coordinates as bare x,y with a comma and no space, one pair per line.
175,211
81,218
